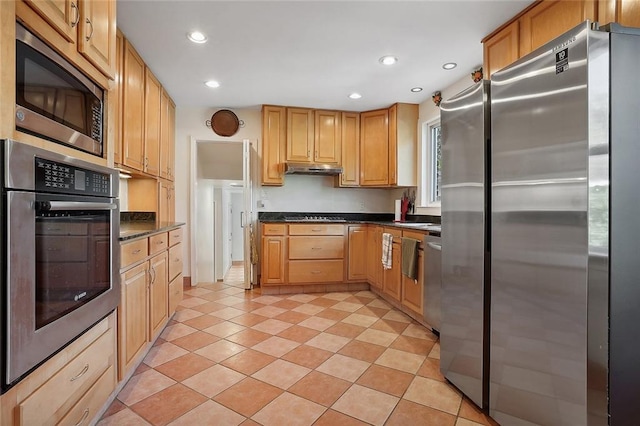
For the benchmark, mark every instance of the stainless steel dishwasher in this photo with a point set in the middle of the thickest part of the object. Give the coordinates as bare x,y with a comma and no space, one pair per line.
432,280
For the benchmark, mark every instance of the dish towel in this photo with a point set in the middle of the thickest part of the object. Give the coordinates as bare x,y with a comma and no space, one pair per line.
410,257
387,241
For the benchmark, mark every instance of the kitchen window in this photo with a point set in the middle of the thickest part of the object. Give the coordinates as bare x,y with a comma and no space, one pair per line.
432,163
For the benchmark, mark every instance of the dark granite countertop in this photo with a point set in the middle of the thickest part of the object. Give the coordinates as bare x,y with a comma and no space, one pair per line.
138,229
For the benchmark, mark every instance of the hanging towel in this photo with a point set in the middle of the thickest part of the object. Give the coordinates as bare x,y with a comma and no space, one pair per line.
410,257
387,240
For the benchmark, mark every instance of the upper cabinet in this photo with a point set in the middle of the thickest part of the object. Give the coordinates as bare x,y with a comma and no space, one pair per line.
116,97
133,108
403,139
374,148
549,19
313,136
97,36
274,134
167,137
350,175
544,20
152,109
82,30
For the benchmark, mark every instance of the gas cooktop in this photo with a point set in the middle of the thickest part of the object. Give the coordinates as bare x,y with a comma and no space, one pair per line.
314,219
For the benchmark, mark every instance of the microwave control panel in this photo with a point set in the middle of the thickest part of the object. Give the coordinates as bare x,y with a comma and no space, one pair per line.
52,176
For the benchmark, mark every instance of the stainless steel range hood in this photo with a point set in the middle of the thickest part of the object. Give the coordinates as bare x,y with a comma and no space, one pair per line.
312,169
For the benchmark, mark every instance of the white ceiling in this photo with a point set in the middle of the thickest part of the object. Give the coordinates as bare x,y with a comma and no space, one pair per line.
310,53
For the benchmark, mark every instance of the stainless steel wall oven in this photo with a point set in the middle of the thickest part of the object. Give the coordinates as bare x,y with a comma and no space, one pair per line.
60,226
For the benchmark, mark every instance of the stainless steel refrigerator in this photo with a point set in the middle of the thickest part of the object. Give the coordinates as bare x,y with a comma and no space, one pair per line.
464,121
565,233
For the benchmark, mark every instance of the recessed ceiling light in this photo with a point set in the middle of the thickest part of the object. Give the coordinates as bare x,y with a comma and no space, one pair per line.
197,37
212,83
355,96
388,60
416,89
449,65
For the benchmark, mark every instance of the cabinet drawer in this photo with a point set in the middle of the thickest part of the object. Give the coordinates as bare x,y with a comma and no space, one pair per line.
50,402
316,271
175,261
316,229
330,247
158,242
175,237
133,252
416,236
397,233
87,408
175,293
273,229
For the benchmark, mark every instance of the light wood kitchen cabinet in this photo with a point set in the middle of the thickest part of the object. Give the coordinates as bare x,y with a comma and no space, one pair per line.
551,18
374,256
133,108
315,253
152,109
300,135
87,29
391,278
97,33
116,98
403,144
69,387
175,270
327,143
357,253
350,125
374,148
624,12
133,317
167,137
273,259
158,294
274,139
326,247
501,49
413,290
166,201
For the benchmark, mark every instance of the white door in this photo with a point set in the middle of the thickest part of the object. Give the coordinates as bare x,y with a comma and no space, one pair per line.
247,214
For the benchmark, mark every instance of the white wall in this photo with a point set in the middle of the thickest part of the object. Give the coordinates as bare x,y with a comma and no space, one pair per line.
237,242
205,226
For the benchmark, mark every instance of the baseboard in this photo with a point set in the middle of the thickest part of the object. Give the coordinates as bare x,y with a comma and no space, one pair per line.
186,283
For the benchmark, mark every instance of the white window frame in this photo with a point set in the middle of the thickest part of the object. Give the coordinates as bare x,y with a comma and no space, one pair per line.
429,179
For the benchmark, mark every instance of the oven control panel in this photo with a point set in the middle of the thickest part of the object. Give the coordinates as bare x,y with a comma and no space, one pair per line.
52,176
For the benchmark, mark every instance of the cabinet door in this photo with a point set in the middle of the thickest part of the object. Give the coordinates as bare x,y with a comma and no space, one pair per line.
116,97
273,257
628,13
501,49
374,148
357,257
175,293
350,175
393,144
132,317
167,136
97,36
551,18
166,202
300,135
374,256
133,108
391,277
412,290
152,104
328,137
62,15
158,293
274,128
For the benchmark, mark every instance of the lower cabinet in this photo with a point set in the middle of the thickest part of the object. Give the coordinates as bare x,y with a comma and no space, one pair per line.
151,287
357,254
71,387
413,290
374,256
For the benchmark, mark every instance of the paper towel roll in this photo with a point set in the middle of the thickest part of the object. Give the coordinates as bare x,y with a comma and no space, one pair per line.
398,211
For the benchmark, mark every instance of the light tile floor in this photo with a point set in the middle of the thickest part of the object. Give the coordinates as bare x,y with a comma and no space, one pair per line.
231,357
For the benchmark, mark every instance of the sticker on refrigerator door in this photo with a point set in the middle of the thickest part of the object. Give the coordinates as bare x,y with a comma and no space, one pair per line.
562,60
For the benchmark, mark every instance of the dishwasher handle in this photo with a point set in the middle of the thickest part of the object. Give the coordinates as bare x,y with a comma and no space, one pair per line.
435,246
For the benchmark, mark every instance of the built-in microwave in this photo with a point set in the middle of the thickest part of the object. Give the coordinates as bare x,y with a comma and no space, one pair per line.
54,100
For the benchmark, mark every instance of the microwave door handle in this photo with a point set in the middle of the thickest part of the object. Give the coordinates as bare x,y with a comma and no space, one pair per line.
75,205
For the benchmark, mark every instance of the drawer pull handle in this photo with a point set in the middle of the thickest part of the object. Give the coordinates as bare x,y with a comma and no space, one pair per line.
316,229
316,272
316,248
136,251
177,260
84,417
80,374
159,242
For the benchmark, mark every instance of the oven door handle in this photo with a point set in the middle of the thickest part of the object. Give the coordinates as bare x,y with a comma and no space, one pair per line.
74,205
